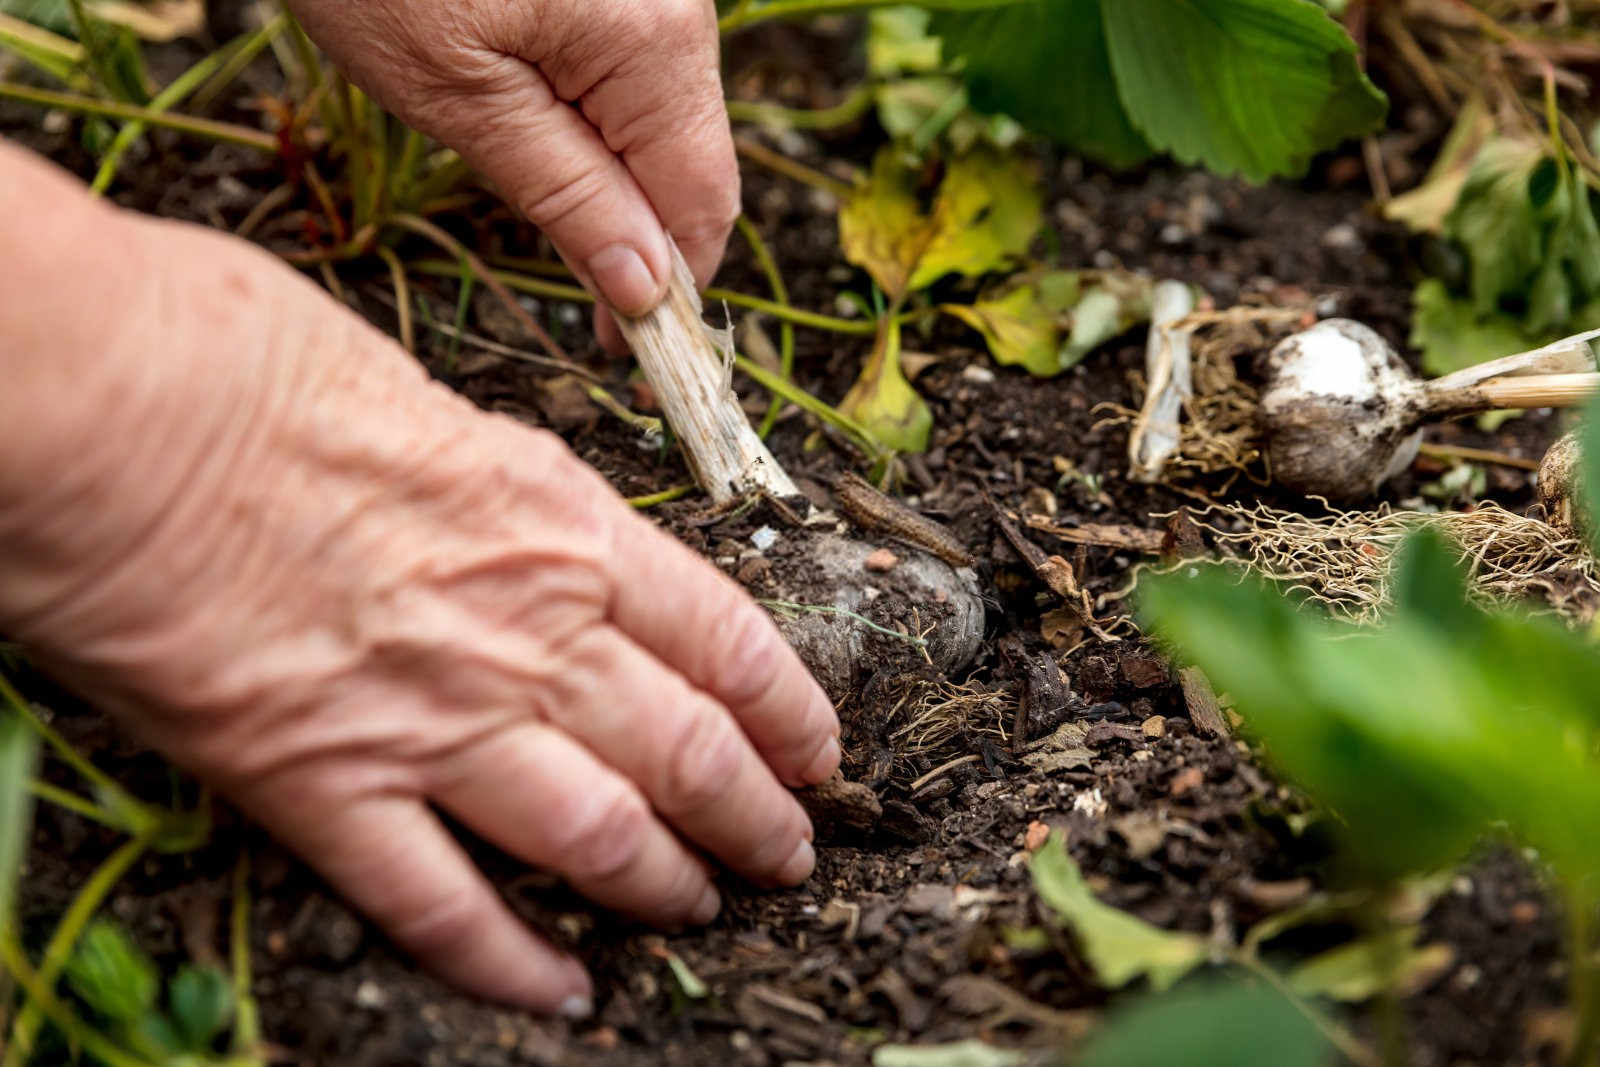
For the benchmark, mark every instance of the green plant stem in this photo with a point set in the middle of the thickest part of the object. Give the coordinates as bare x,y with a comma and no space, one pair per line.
797,396
42,999
402,297
831,609
59,949
794,170
72,802
207,129
247,1023
250,47
749,14
578,295
666,496
102,782
55,55
780,293
167,98
846,111
1585,981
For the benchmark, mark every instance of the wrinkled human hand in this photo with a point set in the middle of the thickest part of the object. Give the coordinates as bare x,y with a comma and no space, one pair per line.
594,118
244,522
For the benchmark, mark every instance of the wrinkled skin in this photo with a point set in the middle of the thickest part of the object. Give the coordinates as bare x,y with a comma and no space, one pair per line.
244,522
593,117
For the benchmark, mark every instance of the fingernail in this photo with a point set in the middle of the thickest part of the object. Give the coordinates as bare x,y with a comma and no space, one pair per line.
706,909
623,279
576,1007
799,865
825,763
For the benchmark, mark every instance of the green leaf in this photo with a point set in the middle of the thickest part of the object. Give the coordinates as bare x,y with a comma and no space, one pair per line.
1119,946
112,974
19,754
1045,63
968,1053
1360,970
985,213
1121,79
1253,87
1496,222
1340,712
1217,1024
1452,334
200,1002
53,15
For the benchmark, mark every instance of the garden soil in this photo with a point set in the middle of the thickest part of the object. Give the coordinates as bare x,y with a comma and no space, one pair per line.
908,930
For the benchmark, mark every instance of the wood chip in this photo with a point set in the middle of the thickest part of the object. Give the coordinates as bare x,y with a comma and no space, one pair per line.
1155,726
1205,711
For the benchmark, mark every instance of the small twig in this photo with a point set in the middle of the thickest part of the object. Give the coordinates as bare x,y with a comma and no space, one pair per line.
1478,455
941,771
496,348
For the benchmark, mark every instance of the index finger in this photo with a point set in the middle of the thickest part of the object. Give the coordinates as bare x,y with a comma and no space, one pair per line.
661,109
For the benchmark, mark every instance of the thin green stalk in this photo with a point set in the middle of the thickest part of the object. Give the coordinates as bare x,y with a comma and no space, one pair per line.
666,496
520,282
104,73
405,175
53,54
795,315
1585,980
252,46
749,14
463,303
103,784
247,1022
402,297
846,111
797,396
42,998
832,609
780,293
72,802
207,129
59,949
167,98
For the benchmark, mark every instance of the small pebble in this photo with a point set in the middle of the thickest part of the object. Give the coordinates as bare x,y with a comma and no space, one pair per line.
1038,833
1154,726
764,538
977,375
371,995
882,561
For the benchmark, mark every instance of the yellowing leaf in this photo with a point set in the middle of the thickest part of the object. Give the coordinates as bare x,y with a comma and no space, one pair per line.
884,403
985,213
1019,329
1425,208
1117,945
1052,321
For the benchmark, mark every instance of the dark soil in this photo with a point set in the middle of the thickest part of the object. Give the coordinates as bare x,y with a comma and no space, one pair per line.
902,933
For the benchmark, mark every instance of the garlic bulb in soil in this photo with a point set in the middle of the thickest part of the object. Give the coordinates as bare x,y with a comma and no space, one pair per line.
1559,487
1341,412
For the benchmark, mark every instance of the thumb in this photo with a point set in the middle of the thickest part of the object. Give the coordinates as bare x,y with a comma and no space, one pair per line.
554,167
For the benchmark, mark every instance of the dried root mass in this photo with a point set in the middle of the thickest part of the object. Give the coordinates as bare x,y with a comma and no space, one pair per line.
1343,560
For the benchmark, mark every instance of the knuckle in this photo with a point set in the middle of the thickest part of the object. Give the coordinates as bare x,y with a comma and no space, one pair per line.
606,838
704,755
745,655
551,204
445,925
